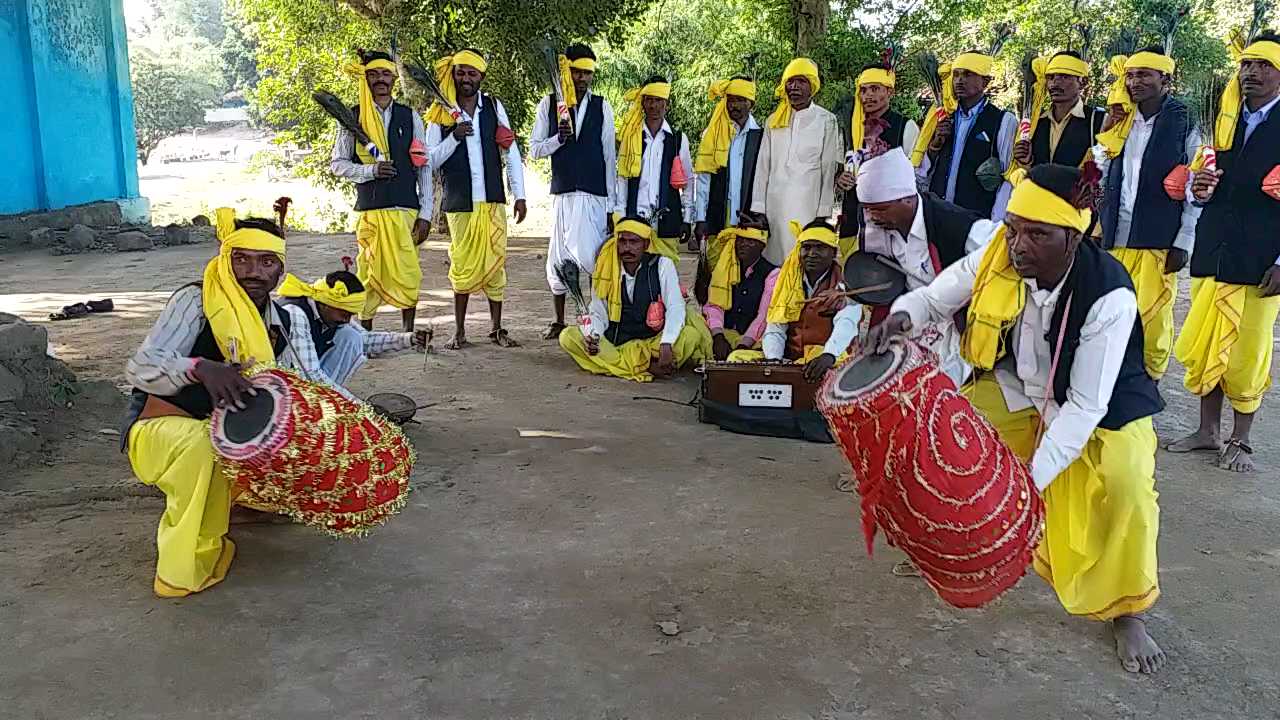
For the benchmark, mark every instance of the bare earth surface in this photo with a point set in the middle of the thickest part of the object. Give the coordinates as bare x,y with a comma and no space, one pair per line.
526,576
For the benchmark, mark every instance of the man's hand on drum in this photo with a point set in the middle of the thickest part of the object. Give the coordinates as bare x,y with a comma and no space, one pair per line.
225,383
877,340
817,368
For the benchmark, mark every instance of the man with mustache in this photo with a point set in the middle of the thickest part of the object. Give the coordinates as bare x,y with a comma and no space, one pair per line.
726,161
1226,342
654,170
1066,128
1148,223
393,193
583,171
468,151
799,157
740,290
1053,337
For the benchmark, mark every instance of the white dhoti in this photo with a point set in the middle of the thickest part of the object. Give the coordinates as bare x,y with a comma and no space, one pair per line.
580,228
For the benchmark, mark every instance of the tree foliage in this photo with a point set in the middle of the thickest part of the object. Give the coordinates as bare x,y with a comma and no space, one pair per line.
170,94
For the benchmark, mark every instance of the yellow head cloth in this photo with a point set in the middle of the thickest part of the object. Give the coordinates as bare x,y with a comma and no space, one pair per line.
370,118
231,314
1039,91
999,293
936,113
870,76
975,63
788,293
713,151
336,296
1118,94
1067,65
606,281
1224,130
728,272
444,76
566,77
799,67
1150,61
631,139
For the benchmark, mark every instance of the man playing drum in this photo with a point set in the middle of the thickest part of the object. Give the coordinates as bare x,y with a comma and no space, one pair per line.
638,326
191,361
1053,338
811,320
740,291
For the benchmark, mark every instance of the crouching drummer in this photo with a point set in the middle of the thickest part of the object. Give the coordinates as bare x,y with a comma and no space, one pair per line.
331,305
638,326
190,362
1051,329
810,318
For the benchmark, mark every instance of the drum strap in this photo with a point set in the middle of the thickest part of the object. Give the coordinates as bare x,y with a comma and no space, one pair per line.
1053,369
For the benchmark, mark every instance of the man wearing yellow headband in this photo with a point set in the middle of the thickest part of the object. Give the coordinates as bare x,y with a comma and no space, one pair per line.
1066,128
393,193
741,288
1227,339
655,173
1148,223
1053,336
972,146
583,172
871,110
726,161
190,362
638,327
331,305
799,158
468,153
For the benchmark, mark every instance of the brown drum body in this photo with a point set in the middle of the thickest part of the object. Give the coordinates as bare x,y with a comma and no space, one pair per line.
933,474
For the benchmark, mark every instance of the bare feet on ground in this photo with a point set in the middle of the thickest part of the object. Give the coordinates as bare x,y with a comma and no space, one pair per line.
1137,651
553,331
502,338
1236,457
1195,441
457,342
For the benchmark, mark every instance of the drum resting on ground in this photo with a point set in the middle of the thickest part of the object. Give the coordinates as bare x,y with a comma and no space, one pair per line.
309,452
933,474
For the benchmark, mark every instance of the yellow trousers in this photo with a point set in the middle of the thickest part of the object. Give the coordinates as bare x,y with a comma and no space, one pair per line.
810,352
387,261
1226,341
1155,290
630,360
1101,514
734,337
175,455
478,250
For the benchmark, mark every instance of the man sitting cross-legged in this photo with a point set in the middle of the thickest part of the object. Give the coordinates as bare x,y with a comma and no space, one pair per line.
740,290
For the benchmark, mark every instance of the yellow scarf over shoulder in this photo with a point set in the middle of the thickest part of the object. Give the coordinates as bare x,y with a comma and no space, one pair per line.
728,271
631,139
570,98
606,281
1113,139
936,113
788,293
713,151
320,291
370,118
799,67
444,76
233,317
1224,130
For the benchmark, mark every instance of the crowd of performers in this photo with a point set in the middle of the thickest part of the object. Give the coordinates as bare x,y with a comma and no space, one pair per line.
1047,296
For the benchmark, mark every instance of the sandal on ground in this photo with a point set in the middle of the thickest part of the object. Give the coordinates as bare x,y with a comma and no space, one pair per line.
1233,448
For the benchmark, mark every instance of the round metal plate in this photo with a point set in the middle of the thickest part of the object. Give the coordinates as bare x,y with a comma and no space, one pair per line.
863,269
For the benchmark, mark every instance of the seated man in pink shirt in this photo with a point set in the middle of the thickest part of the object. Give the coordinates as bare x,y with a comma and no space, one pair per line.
741,289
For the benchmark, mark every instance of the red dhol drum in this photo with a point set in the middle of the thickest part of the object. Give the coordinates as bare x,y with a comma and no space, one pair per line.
311,453
933,474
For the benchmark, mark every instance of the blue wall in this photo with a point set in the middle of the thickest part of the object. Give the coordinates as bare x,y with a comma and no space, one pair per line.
66,108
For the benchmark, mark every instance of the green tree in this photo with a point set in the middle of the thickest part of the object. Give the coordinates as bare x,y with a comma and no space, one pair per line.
238,49
169,96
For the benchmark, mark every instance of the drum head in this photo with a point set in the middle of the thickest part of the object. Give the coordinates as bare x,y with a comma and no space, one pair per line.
864,269
866,371
244,425
259,427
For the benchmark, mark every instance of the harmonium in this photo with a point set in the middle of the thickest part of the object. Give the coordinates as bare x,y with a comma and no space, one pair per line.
761,398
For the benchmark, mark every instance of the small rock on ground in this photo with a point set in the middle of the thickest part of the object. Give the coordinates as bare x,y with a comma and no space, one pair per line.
133,240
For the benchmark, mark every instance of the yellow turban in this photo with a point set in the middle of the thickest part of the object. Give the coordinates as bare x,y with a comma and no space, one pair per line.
713,151
320,291
570,98
1150,61
788,293
936,113
870,76
728,271
1224,132
606,281
799,67
974,63
631,139
370,118
1118,94
233,317
1067,65
444,76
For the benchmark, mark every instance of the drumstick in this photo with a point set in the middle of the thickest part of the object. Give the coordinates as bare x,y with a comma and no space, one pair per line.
855,291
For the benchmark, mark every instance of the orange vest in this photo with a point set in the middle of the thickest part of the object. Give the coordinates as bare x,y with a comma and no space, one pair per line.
814,326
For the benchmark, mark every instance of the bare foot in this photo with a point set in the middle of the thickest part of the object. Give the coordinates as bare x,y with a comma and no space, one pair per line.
1137,651
1195,441
241,515
457,342
1236,457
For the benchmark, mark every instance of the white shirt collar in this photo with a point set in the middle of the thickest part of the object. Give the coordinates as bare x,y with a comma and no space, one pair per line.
665,128
750,124
1048,298
917,225
1263,111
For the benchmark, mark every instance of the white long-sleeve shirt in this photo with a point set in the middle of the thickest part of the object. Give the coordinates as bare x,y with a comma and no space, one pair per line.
651,180
669,290
544,141
844,328
1025,382
440,147
341,164
1005,138
737,154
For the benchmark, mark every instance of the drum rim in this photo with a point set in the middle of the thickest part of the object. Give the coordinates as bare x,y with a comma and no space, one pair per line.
268,382
835,392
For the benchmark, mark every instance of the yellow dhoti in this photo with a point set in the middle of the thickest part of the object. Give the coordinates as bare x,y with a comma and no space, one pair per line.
387,262
1101,514
478,250
1155,290
1226,341
630,360
175,455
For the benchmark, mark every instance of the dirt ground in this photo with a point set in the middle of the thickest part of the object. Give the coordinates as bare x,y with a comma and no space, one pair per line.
526,576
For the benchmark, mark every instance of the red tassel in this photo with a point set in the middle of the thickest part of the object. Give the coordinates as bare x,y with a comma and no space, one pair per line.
347,262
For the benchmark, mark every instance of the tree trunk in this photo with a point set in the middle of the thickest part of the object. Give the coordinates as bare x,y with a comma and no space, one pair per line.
809,23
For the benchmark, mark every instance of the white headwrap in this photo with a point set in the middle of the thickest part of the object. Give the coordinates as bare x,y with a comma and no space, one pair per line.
886,177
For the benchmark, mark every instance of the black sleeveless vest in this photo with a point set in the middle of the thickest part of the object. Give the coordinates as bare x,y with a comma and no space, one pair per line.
1156,216
455,173
578,166
401,190
969,193
746,296
631,324
851,222
718,199
322,334
672,221
947,227
1077,138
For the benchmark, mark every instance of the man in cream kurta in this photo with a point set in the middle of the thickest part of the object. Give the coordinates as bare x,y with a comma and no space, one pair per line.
799,158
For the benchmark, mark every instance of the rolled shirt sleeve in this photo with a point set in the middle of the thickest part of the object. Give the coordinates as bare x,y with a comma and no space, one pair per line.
341,164
162,365
844,328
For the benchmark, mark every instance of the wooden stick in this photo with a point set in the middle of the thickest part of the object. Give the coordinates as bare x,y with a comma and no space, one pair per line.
855,291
